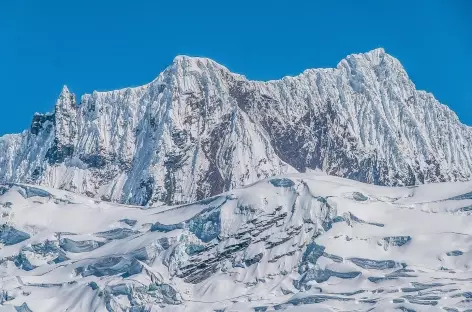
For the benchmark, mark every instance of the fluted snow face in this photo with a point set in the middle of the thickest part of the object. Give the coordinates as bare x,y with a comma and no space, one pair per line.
198,130
363,120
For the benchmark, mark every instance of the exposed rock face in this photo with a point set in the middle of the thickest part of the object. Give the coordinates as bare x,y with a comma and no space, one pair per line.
198,130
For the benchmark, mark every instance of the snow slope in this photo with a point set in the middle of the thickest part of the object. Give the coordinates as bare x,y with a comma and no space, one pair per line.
298,242
198,130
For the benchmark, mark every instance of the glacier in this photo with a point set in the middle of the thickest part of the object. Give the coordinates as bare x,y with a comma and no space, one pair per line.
295,242
198,130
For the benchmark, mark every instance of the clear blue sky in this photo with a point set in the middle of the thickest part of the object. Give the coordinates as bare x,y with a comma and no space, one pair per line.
108,44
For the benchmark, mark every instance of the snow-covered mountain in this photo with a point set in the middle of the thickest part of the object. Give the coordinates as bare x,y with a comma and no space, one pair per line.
300,242
198,130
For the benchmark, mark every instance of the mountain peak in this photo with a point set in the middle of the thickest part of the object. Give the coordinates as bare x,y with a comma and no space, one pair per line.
185,60
364,120
372,55
66,98
196,64
371,58
65,90
376,52
372,66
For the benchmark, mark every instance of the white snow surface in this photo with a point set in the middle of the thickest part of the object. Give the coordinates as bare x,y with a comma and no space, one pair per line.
198,130
297,242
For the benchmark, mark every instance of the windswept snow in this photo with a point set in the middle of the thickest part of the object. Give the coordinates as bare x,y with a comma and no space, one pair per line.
297,242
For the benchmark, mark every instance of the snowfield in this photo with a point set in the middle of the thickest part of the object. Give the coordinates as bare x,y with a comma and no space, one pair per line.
300,242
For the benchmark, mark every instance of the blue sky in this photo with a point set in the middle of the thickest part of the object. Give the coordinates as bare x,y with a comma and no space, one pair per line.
108,44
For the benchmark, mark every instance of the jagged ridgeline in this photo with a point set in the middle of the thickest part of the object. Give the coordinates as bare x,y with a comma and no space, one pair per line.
198,130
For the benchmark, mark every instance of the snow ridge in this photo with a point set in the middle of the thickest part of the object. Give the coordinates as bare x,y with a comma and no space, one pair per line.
198,130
